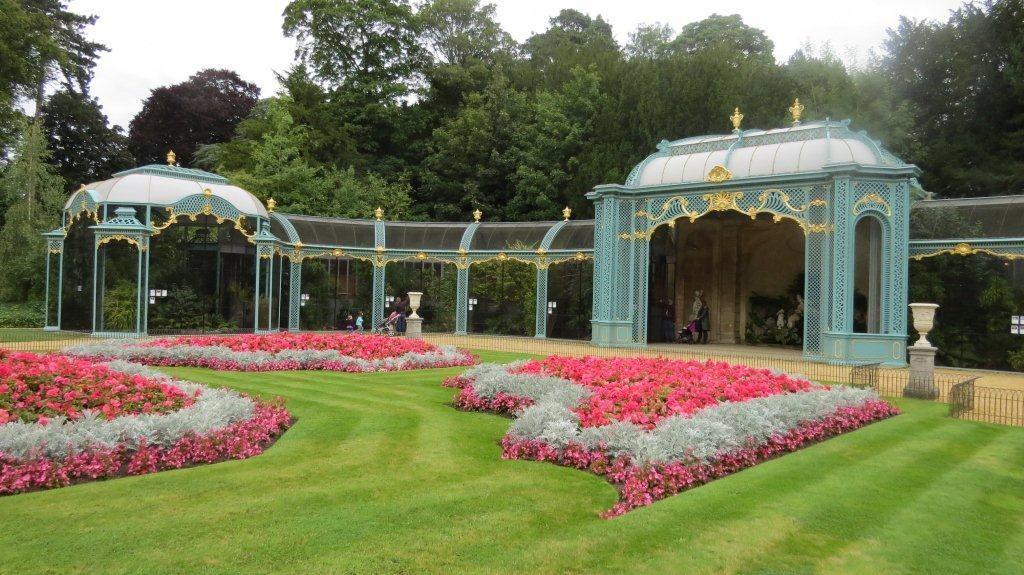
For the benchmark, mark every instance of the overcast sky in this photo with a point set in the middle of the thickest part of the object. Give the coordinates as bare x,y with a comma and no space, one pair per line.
154,43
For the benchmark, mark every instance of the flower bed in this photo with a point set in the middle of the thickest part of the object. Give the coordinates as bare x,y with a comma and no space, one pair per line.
206,425
655,427
350,352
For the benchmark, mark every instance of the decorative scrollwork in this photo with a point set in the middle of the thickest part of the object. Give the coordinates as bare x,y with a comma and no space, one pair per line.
872,199
966,249
140,243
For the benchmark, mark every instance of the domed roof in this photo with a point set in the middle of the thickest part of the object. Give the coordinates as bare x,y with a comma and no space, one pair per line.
164,185
801,148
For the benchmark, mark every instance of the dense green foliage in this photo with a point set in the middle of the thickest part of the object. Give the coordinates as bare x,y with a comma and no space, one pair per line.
381,475
21,315
431,110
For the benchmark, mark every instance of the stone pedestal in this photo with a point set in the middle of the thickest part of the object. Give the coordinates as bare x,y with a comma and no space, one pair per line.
921,383
414,327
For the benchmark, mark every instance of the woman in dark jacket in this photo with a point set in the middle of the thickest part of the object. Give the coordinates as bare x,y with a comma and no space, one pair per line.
703,321
401,303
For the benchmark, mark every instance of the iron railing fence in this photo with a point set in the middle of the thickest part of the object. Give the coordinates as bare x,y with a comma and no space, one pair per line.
989,404
966,398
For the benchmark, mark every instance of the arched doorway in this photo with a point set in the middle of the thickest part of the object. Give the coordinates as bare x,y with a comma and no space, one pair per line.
749,271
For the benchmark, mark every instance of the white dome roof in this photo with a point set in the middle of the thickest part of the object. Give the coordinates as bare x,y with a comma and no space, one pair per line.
755,153
166,185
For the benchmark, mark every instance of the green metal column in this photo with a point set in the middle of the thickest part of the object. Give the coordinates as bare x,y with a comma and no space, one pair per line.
461,300
294,294
60,285
542,303
46,293
378,294
256,296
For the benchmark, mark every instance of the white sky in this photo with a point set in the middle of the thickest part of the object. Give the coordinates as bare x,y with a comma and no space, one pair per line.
154,43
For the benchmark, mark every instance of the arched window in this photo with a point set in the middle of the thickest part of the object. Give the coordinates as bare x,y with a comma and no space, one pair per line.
867,267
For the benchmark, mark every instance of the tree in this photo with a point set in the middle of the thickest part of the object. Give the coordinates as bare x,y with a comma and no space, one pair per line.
650,42
38,40
725,31
84,147
267,158
572,40
202,110
963,83
458,32
367,45
35,196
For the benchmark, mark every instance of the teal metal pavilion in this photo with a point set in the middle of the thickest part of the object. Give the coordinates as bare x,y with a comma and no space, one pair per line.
822,176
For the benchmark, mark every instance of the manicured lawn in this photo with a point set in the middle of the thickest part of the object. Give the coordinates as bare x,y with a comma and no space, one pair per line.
381,475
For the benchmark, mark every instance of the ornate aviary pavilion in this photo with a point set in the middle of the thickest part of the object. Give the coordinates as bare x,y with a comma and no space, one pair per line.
813,209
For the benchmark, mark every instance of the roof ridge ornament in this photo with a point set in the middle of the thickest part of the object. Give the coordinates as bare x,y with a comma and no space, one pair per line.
378,213
719,173
566,212
477,214
736,118
796,110
271,204
171,158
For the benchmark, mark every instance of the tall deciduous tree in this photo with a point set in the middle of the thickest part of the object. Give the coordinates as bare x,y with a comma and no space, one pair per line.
204,109
367,45
40,41
34,194
84,147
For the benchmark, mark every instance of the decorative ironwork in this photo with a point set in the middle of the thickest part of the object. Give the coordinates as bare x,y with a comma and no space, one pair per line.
872,199
566,212
137,241
966,249
172,158
477,214
718,174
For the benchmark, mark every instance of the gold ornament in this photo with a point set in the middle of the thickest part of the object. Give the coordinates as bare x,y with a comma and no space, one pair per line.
566,212
736,118
477,214
271,204
719,173
171,157
378,213
796,110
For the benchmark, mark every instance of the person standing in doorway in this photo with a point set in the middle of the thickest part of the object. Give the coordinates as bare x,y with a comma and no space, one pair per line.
703,321
359,320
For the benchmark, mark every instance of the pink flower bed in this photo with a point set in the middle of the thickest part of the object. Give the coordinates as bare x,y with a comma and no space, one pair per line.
646,390
683,419
36,388
641,485
236,441
362,346
40,387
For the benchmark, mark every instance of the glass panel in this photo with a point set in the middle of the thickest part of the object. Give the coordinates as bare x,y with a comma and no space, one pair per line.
570,288
437,283
505,293
76,305
332,290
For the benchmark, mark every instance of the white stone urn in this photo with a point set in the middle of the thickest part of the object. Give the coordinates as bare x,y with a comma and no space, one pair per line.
414,303
924,320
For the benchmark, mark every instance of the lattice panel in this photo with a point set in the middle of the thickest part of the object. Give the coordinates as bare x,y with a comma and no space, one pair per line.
294,294
599,305
461,300
638,284
378,295
792,203
816,277
542,303
899,266
842,270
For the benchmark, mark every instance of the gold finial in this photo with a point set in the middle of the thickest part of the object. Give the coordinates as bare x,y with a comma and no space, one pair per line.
737,118
477,214
378,213
796,110
271,204
566,212
171,157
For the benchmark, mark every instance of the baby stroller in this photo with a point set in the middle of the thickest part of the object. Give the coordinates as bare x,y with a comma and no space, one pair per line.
689,333
388,327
